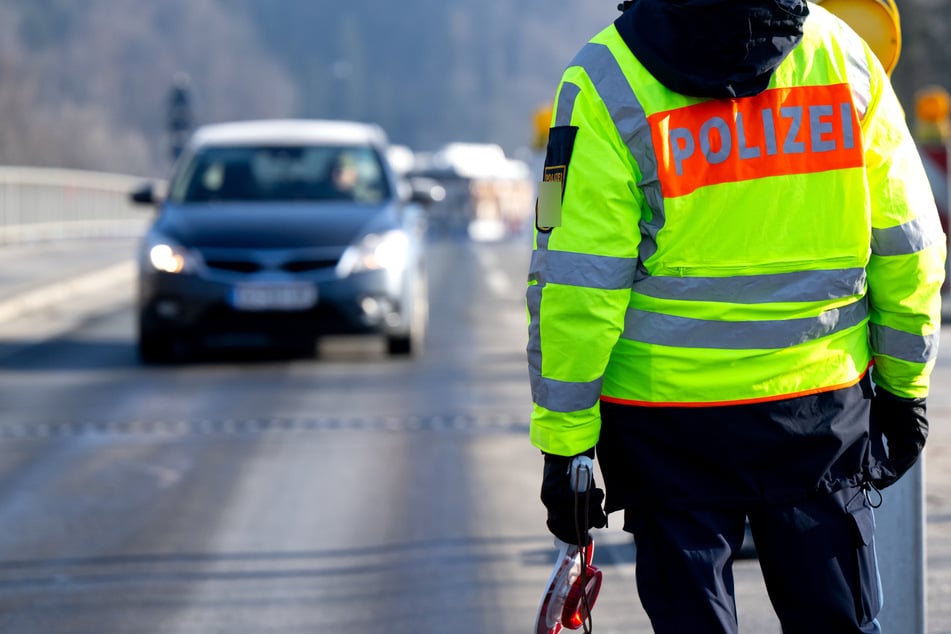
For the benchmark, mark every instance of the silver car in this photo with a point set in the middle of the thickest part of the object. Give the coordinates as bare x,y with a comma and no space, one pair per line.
276,233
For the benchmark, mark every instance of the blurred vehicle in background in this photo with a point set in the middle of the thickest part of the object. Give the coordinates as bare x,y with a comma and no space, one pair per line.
486,195
278,232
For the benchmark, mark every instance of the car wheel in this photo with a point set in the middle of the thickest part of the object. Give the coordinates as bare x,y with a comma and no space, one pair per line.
304,347
156,348
399,346
155,344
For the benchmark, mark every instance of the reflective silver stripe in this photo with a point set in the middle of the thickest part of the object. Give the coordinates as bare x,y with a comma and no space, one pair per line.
631,122
798,286
903,345
541,240
538,264
582,269
533,300
858,73
564,396
904,239
556,396
537,267
684,332
533,295
566,103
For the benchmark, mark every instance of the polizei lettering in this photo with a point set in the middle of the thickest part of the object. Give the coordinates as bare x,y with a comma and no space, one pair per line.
781,131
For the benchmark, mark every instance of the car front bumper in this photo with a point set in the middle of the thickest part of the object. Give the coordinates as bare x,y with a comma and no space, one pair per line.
190,305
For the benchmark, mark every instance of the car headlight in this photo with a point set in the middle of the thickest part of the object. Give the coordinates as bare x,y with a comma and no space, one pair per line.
375,251
166,255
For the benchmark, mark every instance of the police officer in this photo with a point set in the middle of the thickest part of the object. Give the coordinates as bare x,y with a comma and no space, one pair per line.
733,297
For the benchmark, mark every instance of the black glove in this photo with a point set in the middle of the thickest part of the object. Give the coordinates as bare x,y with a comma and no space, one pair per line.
570,514
903,424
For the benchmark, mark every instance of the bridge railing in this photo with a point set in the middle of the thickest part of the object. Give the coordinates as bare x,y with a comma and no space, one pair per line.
50,204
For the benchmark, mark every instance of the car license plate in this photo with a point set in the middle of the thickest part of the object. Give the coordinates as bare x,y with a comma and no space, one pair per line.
274,296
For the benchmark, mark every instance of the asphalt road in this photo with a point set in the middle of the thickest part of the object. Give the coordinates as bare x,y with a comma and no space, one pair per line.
351,493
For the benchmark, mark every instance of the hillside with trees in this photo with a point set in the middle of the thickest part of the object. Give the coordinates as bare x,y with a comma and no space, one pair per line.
85,84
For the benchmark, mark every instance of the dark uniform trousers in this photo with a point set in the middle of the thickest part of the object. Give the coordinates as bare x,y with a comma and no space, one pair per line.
688,479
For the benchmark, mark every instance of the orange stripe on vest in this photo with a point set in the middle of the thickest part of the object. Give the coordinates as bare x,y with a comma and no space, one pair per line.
778,132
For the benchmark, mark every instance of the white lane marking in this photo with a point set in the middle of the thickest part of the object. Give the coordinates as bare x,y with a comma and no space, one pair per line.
495,278
66,291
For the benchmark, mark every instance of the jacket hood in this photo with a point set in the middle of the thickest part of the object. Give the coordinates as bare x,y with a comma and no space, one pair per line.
712,48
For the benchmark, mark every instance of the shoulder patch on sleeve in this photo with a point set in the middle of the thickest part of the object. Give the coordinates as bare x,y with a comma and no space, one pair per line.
551,191
561,142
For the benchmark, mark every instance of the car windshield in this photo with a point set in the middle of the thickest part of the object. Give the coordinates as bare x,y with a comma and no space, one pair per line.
282,173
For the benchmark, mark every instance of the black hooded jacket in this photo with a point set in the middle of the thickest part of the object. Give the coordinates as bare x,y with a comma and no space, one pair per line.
712,48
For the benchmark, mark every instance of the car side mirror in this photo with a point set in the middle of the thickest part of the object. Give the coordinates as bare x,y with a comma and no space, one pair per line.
426,191
145,194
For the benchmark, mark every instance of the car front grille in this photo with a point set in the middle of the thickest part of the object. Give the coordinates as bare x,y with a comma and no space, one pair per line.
236,266
249,266
300,266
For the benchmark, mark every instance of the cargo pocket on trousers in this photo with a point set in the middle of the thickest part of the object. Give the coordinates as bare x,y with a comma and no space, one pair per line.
868,603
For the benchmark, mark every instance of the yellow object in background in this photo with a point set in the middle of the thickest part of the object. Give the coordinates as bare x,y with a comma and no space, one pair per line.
876,21
932,111
542,121
932,104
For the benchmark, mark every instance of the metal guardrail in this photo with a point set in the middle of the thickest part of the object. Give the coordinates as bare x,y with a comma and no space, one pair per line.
51,204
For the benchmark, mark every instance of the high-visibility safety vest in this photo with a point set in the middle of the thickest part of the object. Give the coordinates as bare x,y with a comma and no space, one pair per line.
714,252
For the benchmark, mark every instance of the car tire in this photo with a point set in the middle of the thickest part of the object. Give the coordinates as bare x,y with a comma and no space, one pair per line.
155,349
304,347
156,345
399,346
